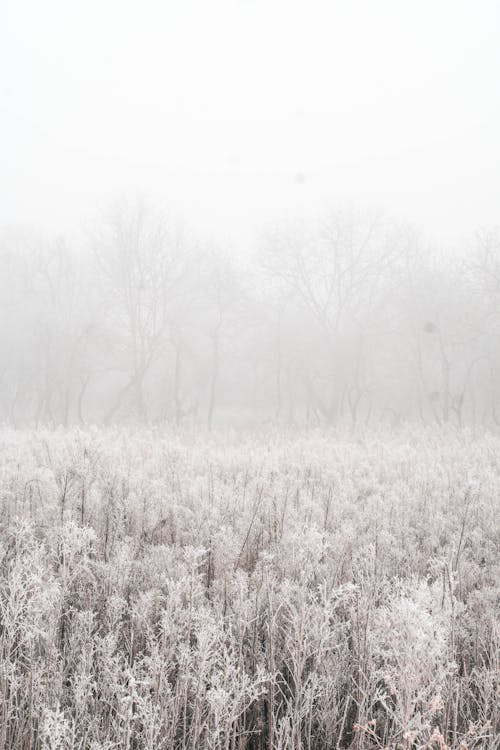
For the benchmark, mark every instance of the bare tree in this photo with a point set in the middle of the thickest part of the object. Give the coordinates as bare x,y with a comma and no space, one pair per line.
143,261
221,301
337,275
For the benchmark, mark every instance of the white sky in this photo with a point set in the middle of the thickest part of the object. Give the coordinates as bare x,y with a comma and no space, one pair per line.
235,113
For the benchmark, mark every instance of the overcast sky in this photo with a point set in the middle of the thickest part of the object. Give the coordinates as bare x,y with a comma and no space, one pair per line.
238,112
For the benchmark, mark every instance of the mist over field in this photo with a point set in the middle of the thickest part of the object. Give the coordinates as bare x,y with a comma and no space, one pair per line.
249,375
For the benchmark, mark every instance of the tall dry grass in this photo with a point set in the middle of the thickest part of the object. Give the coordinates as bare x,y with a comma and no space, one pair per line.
268,591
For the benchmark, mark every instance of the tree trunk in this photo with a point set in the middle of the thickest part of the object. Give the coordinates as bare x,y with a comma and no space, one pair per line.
213,379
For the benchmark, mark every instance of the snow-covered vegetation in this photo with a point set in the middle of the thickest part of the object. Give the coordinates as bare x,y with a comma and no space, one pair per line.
274,590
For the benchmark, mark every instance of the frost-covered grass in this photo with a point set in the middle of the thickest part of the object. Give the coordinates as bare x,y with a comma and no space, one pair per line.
272,590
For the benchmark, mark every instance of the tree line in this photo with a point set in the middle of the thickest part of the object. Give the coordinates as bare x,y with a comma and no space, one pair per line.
347,320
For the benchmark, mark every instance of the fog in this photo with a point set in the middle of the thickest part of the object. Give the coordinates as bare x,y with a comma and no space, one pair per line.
249,374
242,211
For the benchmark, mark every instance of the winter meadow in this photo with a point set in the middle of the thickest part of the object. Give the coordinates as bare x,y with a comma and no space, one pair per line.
274,590
250,508
249,375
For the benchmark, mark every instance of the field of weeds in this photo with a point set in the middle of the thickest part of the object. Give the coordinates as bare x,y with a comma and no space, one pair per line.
262,591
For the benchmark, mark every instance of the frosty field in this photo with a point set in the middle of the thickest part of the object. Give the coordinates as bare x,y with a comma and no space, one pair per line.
269,590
